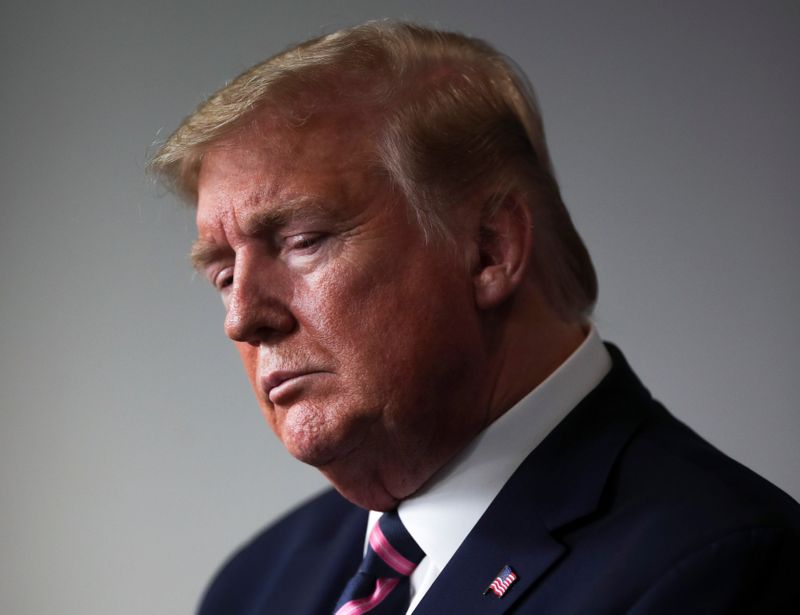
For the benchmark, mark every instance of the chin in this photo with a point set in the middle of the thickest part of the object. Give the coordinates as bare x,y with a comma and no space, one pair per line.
310,451
320,434
313,445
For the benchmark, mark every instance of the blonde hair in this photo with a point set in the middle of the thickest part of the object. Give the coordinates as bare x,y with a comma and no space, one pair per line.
458,121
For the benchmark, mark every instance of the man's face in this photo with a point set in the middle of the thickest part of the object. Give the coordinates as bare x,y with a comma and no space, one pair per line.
361,341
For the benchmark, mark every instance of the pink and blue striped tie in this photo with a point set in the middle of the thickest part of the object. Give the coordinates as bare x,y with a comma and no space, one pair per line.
381,585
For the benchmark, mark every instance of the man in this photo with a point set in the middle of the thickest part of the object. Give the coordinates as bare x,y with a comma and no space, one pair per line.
378,212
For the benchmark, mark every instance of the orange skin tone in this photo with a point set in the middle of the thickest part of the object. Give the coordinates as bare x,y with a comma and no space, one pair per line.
374,355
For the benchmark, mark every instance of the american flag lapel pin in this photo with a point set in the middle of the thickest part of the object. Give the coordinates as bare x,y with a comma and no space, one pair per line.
504,579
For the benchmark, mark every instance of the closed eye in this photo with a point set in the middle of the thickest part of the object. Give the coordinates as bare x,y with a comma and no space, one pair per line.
304,242
223,278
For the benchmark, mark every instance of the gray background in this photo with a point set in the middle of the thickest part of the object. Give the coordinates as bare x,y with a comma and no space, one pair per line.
132,456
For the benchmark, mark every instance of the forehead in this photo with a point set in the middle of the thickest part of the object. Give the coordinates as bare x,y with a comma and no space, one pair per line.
327,159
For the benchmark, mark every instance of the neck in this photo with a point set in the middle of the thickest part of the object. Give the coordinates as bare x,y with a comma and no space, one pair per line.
530,343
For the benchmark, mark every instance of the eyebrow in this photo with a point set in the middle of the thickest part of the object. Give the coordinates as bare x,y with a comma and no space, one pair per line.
206,251
284,212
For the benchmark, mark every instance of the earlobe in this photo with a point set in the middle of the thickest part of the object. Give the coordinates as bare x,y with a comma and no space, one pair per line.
504,245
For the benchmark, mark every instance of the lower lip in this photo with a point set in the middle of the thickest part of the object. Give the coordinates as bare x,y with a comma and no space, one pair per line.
290,387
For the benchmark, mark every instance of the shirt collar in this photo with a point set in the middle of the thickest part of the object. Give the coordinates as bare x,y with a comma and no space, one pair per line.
443,512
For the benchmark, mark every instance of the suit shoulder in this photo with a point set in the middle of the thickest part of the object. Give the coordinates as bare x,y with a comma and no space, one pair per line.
759,567
287,549
688,476
312,518
682,512
676,518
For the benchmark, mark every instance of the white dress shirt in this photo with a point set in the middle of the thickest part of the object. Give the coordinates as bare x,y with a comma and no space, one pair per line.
441,514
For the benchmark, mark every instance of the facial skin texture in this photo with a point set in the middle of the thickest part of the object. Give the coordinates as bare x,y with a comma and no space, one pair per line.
327,279
374,355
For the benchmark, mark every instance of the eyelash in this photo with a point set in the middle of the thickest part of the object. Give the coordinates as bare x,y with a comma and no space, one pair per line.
304,242
223,279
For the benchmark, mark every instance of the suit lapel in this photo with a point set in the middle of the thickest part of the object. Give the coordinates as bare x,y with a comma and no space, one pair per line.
491,545
559,483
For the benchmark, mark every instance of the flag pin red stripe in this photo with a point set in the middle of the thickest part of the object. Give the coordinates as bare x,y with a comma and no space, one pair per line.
505,578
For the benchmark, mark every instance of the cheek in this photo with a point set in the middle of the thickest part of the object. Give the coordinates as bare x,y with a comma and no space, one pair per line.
392,320
337,306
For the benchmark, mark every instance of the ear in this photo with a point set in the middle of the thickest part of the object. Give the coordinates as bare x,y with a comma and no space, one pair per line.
505,238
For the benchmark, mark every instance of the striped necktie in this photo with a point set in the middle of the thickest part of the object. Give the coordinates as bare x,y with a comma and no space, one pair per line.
381,585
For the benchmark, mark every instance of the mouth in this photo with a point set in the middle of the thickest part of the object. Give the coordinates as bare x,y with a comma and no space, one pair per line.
281,384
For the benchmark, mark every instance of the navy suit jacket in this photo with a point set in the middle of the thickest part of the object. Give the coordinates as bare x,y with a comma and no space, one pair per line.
621,509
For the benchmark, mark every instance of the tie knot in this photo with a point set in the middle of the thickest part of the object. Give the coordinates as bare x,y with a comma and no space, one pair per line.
391,545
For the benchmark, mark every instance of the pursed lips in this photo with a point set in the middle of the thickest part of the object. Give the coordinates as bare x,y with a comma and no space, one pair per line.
275,382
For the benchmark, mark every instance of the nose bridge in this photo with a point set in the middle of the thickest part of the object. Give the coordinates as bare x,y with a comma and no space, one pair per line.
257,309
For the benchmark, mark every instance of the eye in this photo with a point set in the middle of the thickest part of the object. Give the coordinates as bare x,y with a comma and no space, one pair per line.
223,278
304,242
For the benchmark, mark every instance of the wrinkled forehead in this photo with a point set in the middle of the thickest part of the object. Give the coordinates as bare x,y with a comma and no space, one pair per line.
281,129
329,158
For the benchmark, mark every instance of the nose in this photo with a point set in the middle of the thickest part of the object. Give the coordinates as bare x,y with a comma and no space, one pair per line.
257,309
